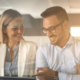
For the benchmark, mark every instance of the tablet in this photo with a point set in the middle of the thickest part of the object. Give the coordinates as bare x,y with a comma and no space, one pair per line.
17,78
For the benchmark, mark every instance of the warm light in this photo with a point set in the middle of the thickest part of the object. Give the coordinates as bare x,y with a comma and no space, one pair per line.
75,31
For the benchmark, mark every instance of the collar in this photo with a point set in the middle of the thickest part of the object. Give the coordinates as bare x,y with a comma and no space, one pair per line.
14,49
71,40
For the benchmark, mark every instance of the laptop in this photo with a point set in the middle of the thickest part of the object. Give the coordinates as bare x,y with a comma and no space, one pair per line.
17,78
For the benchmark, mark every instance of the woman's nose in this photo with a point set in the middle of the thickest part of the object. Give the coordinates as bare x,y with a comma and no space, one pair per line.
19,30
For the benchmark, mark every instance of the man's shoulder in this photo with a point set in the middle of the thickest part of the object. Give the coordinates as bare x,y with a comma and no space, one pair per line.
76,40
44,49
46,46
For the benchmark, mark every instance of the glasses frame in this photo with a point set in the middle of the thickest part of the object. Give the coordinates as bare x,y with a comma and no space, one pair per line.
49,29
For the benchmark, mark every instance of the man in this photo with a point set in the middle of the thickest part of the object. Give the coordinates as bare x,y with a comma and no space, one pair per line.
57,59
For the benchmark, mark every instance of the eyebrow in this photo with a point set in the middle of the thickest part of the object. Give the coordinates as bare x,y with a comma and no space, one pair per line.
17,26
49,27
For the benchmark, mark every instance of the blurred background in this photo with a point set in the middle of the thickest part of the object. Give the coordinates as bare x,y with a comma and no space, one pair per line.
31,10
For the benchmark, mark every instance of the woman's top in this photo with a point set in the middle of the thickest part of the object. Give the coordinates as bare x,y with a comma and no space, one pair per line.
11,68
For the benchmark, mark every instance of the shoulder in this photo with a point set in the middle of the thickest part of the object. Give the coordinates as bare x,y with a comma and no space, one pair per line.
76,44
45,47
28,43
76,48
76,41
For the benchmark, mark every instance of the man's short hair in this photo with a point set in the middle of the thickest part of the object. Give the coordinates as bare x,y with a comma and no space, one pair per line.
56,10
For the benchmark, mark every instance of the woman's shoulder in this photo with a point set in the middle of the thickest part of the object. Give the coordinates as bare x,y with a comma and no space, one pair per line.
2,44
28,43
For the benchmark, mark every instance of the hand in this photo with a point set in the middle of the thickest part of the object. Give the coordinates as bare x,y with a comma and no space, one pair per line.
46,74
78,72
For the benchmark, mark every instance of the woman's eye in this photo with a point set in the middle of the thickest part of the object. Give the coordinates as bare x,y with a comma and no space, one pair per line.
17,28
14,28
22,27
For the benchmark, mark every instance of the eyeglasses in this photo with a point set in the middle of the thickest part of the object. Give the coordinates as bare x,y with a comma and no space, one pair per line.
51,29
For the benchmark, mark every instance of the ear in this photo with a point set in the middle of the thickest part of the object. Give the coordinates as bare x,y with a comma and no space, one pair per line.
66,25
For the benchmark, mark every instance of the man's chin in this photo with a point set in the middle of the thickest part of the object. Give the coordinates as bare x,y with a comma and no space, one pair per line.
53,43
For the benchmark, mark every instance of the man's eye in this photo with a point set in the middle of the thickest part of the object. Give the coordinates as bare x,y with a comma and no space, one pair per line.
52,28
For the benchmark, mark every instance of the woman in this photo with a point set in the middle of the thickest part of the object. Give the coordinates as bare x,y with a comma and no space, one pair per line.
17,56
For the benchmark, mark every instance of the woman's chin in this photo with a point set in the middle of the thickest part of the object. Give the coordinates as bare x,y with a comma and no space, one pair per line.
18,39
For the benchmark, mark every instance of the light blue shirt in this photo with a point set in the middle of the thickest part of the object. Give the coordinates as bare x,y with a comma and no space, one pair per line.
64,60
11,68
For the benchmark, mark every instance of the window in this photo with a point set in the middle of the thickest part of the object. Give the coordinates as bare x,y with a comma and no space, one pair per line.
75,31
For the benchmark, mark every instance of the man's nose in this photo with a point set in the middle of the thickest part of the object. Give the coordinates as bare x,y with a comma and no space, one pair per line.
48,33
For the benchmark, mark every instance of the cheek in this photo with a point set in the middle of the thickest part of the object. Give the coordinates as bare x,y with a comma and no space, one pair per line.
61,35
10,33
60,32
58,35
22,30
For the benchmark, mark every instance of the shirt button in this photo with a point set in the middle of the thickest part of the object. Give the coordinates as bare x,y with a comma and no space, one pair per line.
62,62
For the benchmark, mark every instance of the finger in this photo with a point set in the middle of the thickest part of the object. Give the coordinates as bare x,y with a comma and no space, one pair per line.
44,68
34,75
37,71
78,72
79,66
38,74
39,77
79,63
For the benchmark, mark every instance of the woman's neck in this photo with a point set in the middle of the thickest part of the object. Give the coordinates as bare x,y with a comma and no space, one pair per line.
12,43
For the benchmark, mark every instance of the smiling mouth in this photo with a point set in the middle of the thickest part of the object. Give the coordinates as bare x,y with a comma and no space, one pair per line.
18,35
52,38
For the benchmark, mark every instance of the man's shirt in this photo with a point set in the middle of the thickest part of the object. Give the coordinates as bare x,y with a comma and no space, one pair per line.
64,60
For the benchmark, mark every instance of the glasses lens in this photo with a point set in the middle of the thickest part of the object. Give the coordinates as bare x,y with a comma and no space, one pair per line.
44,30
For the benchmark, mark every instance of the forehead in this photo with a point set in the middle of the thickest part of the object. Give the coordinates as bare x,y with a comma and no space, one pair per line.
16,21
50,21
